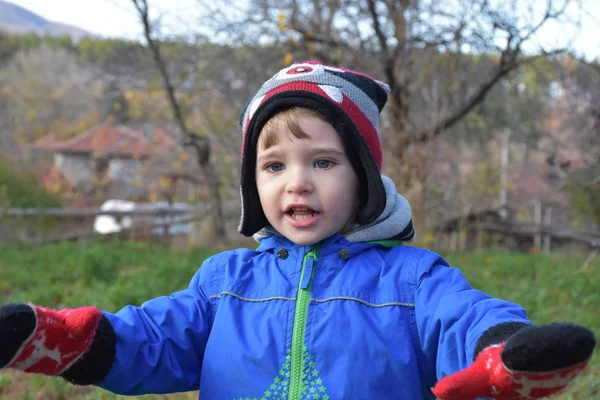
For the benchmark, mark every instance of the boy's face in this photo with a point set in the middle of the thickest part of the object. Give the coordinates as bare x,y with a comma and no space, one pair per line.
307,187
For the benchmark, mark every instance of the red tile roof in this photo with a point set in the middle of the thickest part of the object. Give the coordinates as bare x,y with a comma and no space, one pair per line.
109,139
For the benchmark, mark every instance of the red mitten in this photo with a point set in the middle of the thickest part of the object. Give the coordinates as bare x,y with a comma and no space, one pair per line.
56,339
535,362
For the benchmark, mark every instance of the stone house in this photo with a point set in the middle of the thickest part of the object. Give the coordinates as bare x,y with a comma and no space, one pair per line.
118,161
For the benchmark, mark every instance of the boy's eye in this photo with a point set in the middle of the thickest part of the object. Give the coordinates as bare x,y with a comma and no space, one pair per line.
275,167
324,164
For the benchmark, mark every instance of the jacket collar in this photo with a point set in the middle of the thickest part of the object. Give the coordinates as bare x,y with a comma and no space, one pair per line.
333,244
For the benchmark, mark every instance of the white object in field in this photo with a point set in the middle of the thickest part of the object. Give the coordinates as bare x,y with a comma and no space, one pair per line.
108,223
105,224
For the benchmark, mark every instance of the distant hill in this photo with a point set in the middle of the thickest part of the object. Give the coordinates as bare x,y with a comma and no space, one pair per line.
17,20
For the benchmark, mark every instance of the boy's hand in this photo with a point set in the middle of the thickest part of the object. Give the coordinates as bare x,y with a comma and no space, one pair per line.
45,341
535,362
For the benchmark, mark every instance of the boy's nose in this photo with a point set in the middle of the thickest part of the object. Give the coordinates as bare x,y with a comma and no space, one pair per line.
299,182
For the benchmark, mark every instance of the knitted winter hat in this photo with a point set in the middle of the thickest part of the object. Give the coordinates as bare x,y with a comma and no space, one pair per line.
350,100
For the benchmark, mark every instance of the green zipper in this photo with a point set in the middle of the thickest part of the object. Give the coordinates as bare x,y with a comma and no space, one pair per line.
302,301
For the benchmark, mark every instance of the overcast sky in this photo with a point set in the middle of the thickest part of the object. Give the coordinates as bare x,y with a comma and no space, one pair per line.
113,18
117,18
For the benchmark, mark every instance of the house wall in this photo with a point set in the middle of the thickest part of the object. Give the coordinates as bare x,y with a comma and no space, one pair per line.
123,170
81,168
75,168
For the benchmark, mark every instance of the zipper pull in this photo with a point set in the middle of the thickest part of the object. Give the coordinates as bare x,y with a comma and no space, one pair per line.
309,265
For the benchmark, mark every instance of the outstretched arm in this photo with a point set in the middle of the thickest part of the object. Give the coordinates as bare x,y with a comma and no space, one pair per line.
451,317
155,348
457,324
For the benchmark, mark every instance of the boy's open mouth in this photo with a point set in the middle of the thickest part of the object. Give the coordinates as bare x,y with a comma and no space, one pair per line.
301,213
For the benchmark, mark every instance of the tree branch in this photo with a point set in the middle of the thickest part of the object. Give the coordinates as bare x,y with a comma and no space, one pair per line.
548,15
199,143
142,7
315,37
381,38
508,63
503,70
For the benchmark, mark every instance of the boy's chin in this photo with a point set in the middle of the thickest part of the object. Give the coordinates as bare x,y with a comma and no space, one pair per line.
305,242
305,238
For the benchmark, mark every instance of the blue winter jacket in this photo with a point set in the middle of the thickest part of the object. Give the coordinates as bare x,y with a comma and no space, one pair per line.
340,320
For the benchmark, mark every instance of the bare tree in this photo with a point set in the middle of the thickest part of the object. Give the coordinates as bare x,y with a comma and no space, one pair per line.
440,57
200,144
593,106
579,103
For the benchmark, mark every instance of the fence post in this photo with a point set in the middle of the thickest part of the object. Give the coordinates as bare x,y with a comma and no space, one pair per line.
537,218
547,238
504,159
454,240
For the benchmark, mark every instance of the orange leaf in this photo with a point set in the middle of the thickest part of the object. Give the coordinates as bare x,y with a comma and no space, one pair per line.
287,60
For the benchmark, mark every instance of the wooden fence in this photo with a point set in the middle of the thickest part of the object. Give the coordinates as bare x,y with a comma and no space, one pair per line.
487,227
45,225
476,230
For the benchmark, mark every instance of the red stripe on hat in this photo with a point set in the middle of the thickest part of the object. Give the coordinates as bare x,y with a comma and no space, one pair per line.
365,128
358,118
297,85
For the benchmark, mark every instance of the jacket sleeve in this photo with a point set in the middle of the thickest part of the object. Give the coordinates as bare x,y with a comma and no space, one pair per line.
451,316
160,345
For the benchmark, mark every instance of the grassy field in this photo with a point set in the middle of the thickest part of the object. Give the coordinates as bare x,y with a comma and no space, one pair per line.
110,275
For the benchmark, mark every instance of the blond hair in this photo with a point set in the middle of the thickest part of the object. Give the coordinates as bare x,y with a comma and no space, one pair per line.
288,123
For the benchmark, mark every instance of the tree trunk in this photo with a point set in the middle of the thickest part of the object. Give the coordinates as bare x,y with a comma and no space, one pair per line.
200,144
215,200
203,151
406,163
409,184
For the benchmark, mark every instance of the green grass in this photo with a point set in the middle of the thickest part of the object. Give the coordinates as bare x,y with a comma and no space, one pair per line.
110,275
107,275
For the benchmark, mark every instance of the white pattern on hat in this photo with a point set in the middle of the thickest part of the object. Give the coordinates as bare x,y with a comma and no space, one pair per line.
334,93
254,106
319,75
303,69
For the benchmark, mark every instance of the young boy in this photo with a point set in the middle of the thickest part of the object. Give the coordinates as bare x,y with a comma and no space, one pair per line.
330,305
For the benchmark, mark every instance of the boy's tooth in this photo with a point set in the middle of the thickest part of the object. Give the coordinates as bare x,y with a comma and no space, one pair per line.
303,216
